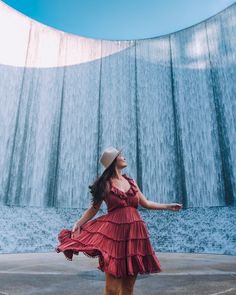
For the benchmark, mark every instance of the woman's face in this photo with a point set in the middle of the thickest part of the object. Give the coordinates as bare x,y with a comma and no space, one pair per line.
120,161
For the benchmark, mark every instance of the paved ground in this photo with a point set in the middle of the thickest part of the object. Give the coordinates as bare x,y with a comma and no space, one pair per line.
51,273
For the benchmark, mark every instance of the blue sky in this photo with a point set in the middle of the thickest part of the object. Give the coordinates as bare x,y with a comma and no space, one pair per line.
119,19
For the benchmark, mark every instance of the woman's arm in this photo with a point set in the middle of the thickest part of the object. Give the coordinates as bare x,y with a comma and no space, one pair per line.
154,205
89,214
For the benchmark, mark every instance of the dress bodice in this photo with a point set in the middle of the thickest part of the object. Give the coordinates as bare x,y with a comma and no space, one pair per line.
117,198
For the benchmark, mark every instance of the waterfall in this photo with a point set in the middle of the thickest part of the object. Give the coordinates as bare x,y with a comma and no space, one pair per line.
170,100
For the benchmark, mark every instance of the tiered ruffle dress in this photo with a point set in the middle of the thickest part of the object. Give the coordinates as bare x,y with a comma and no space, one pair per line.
119,239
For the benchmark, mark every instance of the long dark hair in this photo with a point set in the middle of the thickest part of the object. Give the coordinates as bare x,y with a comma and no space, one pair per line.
101,186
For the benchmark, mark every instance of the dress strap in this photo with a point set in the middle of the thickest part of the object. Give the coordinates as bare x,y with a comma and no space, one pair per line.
122,194
129,179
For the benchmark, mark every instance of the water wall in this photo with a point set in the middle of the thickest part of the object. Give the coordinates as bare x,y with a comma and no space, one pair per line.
169,100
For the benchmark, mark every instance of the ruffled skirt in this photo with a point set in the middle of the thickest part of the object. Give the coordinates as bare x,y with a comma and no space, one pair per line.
119,239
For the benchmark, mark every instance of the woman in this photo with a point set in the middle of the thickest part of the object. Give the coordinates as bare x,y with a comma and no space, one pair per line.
119,238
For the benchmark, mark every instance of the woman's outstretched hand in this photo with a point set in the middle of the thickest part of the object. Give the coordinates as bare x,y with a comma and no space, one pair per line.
174,206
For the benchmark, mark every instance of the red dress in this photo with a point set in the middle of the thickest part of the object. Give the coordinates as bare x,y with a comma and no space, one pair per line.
119,239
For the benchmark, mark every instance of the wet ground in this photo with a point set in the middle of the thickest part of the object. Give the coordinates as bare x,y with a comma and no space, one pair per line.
51,273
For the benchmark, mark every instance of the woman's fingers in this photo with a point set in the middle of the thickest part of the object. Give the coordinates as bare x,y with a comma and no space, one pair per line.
75,231
176,206
75,227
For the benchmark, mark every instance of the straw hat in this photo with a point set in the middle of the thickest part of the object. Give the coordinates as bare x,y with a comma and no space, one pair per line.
109,155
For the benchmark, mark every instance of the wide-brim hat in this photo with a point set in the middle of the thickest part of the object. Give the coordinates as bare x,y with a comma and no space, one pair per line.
109,155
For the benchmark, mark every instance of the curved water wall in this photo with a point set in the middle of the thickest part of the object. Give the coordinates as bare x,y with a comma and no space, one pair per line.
169,100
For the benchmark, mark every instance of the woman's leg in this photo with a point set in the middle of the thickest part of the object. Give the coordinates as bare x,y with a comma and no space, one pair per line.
113,285
127,285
